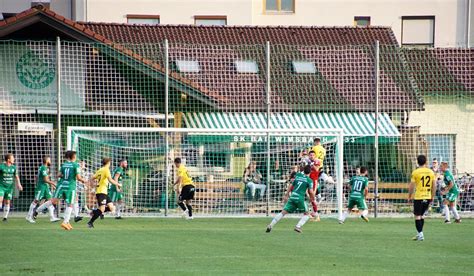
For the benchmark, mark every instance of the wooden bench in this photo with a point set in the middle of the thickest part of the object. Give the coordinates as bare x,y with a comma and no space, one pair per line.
261,208
389,185
209,194
389,190
389,196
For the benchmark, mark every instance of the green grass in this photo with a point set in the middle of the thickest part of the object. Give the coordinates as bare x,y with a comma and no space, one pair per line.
236,246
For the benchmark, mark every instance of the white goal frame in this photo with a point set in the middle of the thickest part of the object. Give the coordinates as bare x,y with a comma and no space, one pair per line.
338,133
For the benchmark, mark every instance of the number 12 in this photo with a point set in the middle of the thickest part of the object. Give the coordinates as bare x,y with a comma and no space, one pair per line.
427,183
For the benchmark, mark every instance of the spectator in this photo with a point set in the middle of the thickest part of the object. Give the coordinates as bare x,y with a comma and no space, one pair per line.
277,171
253,179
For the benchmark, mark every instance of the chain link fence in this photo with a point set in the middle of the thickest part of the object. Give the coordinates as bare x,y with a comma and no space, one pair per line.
392,103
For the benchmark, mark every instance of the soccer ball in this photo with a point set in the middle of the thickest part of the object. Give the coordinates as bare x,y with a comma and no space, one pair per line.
443,186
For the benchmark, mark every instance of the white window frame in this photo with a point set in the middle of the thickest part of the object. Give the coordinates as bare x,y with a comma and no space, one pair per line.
421,17
246,66
278,10
301,67
188,66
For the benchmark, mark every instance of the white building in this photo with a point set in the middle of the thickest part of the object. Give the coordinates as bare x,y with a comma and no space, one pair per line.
438,23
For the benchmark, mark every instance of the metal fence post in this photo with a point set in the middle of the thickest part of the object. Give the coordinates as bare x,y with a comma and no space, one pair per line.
58,101
268,90
167,156
340,172
376,142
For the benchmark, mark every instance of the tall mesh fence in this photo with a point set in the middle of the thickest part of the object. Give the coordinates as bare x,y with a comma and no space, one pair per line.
425,107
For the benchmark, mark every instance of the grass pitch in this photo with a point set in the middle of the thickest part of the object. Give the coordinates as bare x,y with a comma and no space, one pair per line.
236,246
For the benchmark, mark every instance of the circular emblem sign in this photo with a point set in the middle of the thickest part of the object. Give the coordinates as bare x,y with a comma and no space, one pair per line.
33,72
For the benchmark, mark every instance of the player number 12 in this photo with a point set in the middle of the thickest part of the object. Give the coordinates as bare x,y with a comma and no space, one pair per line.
427,183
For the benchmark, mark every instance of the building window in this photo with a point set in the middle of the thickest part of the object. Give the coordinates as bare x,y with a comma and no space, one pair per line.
362,21
279,6
442,147
143,19
303,67
188,66
44,3
246,66
210,20
418,31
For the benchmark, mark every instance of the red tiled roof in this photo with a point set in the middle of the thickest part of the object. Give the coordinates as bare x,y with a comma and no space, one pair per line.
238,35
323,92
96,37
217,47
442,71
459,63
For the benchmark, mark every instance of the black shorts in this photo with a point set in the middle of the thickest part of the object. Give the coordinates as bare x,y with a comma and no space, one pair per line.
102,199
420,206
187,193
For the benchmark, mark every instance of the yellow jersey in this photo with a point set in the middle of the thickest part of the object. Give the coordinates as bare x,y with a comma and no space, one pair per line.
320,152
102,175
185,179
424,180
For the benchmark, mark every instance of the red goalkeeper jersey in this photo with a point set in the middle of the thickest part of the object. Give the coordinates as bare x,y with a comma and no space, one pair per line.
314,175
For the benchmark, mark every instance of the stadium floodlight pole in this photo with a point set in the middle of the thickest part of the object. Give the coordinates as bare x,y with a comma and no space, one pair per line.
58,101
267,51
167,155
376,142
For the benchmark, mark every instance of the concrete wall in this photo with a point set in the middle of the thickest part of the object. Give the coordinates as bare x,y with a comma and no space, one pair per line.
238,12
471,23
451,117
450,15
62,7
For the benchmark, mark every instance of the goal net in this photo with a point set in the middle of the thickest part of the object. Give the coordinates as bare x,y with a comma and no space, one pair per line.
216,160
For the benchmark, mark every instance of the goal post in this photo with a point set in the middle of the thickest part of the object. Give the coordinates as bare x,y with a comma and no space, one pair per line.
217,160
